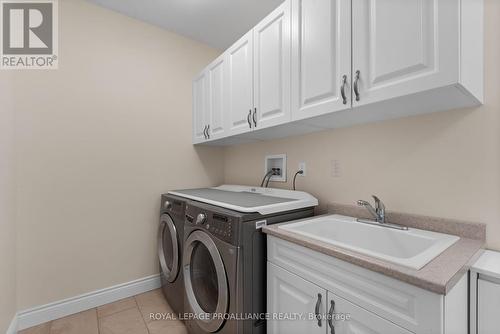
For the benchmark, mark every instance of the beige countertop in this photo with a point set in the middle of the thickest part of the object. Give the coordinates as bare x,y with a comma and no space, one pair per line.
438,276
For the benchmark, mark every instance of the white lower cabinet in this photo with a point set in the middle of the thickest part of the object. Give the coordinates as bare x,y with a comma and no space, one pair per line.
485,294
299,306
488,306
293,303
303,284
348,318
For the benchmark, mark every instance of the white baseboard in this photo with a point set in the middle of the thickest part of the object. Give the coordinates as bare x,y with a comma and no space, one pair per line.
13,326
40,314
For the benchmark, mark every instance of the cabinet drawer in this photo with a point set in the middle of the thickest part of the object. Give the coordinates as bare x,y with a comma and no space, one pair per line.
410,307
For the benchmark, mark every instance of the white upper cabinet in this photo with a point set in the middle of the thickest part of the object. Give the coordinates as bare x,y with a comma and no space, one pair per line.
321,57
317,64
239,83
272,68
217,108
200,108
403,47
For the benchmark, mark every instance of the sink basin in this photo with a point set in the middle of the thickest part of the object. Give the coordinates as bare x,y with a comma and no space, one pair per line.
411,248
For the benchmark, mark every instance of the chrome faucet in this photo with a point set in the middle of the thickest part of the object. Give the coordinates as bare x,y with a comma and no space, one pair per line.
378,213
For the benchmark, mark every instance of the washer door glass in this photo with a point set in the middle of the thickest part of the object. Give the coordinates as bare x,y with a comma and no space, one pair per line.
205,280
168,248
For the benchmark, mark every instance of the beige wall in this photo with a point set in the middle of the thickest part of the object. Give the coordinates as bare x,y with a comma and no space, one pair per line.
7,226
444,164
98,141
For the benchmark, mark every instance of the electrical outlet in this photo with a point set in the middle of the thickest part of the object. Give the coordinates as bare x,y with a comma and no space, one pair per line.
335,168
302,167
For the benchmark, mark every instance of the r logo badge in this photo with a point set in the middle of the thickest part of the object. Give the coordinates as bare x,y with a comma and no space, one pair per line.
29,34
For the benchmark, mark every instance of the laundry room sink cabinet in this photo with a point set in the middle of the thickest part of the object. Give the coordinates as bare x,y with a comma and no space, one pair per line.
310,292
318,64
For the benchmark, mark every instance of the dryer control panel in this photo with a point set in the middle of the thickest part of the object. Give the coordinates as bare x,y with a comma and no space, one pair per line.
218,224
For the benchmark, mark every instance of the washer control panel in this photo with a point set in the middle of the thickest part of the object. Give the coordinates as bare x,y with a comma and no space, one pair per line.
217,224
221,226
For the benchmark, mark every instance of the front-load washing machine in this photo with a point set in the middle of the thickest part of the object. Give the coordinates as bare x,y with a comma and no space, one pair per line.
224,256
170,244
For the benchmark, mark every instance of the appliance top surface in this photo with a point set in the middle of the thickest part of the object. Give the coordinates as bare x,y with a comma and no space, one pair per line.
250,199
244,199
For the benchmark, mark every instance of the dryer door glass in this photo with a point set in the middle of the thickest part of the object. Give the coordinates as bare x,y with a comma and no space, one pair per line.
168,248
205,280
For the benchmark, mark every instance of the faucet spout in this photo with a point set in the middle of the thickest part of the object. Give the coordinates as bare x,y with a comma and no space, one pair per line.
370,208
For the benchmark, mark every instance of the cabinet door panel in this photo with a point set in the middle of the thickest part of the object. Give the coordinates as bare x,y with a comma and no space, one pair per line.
348,318
403,47
488,305
272,42
321,56
239,83
217,108
200,107
288,294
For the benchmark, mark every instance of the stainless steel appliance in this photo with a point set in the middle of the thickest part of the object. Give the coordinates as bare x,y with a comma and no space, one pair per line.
224,257
170,244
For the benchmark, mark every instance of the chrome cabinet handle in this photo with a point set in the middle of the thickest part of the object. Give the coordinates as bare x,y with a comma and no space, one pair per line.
254,117
205,132
248,118
316,310
355,85
342,89
330,317
208,131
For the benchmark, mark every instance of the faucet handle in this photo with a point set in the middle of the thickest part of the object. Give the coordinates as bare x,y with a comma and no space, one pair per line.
379,207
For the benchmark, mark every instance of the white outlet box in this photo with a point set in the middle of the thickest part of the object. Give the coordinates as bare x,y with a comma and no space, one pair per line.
335,168
276,161
302,167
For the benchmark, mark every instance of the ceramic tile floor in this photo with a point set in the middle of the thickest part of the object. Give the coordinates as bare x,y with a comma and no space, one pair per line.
126,316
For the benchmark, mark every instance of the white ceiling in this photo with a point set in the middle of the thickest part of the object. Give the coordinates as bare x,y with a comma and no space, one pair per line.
217,23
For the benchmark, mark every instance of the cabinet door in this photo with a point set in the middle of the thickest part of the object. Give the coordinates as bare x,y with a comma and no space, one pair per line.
289,295
239,84
403,47
200,107
272,43
348,318
321,57
488,306
217,106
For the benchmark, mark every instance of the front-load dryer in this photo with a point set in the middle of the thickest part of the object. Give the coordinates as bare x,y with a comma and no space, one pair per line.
170,245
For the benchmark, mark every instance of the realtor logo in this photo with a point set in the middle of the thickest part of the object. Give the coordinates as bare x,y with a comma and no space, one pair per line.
28,34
